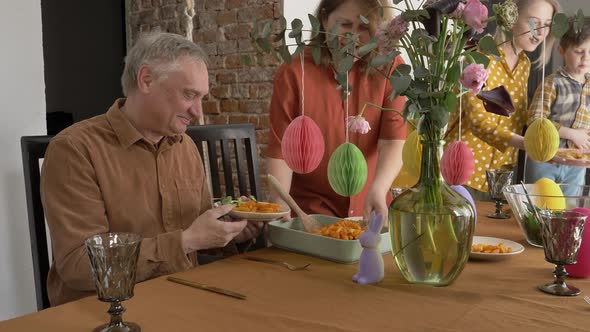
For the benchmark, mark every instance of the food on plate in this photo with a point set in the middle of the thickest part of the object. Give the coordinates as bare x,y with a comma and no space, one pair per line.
573,154
343,230
491,249
258,207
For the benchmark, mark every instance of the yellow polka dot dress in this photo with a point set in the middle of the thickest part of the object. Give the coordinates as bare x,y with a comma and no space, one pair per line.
487,134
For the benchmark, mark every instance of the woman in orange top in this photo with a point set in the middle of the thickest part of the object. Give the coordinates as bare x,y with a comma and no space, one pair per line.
381,146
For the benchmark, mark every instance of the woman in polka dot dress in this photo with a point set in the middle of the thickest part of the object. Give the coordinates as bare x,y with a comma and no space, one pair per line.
494,139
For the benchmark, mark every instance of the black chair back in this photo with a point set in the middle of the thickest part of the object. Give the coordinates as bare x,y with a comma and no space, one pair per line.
33,149
238,156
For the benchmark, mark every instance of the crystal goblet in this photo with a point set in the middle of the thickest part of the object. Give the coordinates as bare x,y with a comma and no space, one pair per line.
498,179
562,235
113,257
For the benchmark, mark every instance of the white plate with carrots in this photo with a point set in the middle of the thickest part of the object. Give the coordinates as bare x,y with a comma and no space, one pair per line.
493,248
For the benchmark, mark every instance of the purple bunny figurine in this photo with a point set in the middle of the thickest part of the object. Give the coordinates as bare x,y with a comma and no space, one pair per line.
371,260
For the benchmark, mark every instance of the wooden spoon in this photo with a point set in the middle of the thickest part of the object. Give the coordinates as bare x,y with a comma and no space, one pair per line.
309,224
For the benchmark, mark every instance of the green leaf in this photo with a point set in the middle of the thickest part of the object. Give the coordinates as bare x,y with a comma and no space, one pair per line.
439,116
296,26
264,44
488,45
246,59
345,64
421,72
560,25
403,70
265,30
400,84
454,73
415,14
480,58
451,102
316,54
284,52
379,61
298,50
281,35
367,48
315,25
579,21
533,29
364,19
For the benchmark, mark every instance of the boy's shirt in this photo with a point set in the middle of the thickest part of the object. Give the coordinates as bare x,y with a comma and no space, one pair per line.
565,103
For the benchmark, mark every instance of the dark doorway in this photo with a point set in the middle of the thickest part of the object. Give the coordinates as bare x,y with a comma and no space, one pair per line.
83,50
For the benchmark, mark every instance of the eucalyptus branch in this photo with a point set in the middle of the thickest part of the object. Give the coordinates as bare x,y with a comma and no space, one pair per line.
384,109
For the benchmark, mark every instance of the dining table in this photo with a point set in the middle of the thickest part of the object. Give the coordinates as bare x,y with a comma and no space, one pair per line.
489,295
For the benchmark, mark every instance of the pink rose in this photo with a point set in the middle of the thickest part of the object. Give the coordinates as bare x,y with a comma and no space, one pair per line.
458,12
475,15
474,77
389,34
358,124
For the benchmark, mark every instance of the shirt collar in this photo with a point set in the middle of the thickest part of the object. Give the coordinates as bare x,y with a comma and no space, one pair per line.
521,59
124,129
565,74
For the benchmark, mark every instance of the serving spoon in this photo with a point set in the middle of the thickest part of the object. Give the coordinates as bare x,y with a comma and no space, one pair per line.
309,224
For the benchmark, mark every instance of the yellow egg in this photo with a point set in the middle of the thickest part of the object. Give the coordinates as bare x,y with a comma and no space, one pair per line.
412,154
541,140
547,187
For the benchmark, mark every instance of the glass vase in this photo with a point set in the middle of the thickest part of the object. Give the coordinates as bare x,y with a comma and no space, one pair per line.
431,226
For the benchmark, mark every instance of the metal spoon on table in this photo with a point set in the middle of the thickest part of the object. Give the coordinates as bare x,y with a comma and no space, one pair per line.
309,224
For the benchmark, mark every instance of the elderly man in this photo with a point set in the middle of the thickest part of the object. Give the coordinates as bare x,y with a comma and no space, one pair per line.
134,170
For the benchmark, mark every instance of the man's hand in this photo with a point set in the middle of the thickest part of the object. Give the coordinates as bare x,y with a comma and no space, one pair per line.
251,231
207,231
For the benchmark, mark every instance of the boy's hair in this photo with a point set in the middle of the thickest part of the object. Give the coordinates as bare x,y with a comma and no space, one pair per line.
573,38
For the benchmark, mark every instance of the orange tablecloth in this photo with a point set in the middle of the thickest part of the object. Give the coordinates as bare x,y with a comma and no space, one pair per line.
488,296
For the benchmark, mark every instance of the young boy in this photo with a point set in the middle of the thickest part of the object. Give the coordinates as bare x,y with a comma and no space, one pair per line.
566,102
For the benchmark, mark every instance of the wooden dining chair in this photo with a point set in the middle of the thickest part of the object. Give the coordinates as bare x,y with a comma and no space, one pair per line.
33,149
230,156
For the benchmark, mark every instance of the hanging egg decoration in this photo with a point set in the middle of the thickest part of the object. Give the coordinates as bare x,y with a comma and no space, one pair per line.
541,140
412,154
347,170
457,163
303,145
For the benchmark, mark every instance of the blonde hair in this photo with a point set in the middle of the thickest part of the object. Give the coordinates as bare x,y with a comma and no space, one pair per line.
371,9
549,41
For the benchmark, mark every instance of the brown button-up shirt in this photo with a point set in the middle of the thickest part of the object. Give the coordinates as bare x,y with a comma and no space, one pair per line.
101,175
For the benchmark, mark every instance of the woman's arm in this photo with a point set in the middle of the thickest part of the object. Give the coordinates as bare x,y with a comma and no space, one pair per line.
389,163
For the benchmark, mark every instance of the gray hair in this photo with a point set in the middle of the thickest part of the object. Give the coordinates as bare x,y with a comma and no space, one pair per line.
159,50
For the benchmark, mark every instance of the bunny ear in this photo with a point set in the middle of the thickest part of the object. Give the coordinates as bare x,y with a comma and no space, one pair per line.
376,222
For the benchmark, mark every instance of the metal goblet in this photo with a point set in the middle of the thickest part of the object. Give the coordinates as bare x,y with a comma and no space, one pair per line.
562,235
498,179
113,257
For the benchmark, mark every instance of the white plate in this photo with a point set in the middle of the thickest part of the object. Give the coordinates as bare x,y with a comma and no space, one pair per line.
517,248
258,216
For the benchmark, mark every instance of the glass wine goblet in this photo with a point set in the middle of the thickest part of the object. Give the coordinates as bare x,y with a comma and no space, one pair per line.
498,179
113,257
562,235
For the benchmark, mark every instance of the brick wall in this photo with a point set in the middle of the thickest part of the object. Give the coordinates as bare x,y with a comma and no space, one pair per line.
238,93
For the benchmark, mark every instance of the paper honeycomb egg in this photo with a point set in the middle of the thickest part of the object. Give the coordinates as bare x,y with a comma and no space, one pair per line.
457,163
303,145
412,154
541,140
347,170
